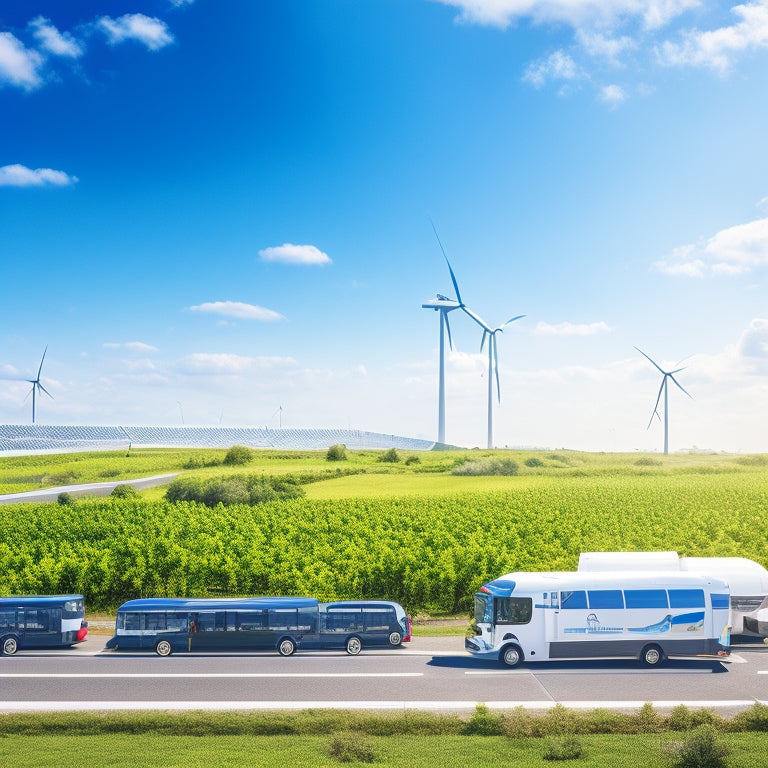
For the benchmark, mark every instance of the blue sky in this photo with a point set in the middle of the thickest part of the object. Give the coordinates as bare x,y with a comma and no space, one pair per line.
209,210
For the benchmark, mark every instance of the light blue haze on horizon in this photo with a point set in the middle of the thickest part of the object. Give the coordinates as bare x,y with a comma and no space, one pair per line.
209,210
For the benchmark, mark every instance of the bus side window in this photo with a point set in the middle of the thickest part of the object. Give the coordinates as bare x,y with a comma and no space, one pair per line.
7,620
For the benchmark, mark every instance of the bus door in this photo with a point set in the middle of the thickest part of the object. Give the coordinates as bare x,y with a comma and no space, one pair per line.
39,627
207,631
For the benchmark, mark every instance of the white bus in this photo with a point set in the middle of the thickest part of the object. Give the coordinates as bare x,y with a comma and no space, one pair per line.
748,580
643,615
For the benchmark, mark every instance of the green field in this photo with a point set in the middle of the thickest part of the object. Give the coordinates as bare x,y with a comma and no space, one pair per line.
747,751
407,531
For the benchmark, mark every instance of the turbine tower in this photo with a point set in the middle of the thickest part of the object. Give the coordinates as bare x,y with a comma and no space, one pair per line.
37,386
664,388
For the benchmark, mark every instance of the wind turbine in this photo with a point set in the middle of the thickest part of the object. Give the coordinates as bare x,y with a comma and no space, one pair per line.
664,388
493,365
444,305
37,386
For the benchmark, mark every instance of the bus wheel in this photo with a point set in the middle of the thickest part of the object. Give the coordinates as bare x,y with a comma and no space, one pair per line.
512,655
286,647
395,638
10,645
163,648
354,646
652,656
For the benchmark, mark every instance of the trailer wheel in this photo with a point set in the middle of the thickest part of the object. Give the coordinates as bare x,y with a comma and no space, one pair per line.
512,655
10,645
652,656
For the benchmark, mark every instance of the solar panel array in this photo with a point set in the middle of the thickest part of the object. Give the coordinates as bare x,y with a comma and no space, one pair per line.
38,438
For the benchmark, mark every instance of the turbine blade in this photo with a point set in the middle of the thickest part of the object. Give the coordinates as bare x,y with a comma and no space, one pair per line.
512,320
661,370
680,386
41,388
496,367
482,343
658,398
41,363
453,277
479,320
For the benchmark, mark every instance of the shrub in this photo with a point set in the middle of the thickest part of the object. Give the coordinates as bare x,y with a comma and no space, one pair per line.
483,467
568,748
351,748
699,750
412,460
753,719
238,455
185,489
534,462
391,456
124,491
483,723
235,489
227,491
65,498
337,453
647,462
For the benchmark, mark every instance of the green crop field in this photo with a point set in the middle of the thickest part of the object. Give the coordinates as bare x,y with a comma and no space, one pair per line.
409,530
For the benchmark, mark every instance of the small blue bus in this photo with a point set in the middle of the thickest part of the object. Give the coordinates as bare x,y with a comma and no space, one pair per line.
284,624
41,621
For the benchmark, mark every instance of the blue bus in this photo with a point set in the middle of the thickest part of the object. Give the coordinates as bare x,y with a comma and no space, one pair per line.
284,624
41,621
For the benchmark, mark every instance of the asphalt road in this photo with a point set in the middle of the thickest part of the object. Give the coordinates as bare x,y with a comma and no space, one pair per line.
430,674
84,489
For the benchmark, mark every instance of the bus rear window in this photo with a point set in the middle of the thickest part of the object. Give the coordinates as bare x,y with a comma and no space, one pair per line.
513,610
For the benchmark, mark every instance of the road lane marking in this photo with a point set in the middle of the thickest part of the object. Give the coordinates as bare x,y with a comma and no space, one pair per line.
197,675
75,706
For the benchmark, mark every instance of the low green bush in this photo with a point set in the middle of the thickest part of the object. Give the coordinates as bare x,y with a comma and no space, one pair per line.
700,749
337,453
238,455
481,467
351,748
65,498
124,491
391,456
568,748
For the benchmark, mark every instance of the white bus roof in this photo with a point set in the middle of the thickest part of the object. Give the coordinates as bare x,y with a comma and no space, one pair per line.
745,577
528,581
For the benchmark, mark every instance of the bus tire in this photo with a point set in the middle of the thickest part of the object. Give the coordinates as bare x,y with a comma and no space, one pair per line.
286,647
163,648
652,656
10,645
395,638
512,655
354,646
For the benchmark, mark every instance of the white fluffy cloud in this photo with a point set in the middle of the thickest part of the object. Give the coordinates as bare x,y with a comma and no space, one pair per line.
53,41
502,13
238,309
148,30
133,346
731,251
19,66
20,176
295,254
220,364
612,95
572,329
716,48
557,66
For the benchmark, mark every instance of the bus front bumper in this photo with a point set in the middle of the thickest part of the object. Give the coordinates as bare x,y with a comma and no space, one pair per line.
478,647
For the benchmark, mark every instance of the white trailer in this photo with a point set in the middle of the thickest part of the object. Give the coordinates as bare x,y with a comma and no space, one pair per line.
575,615
748,580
